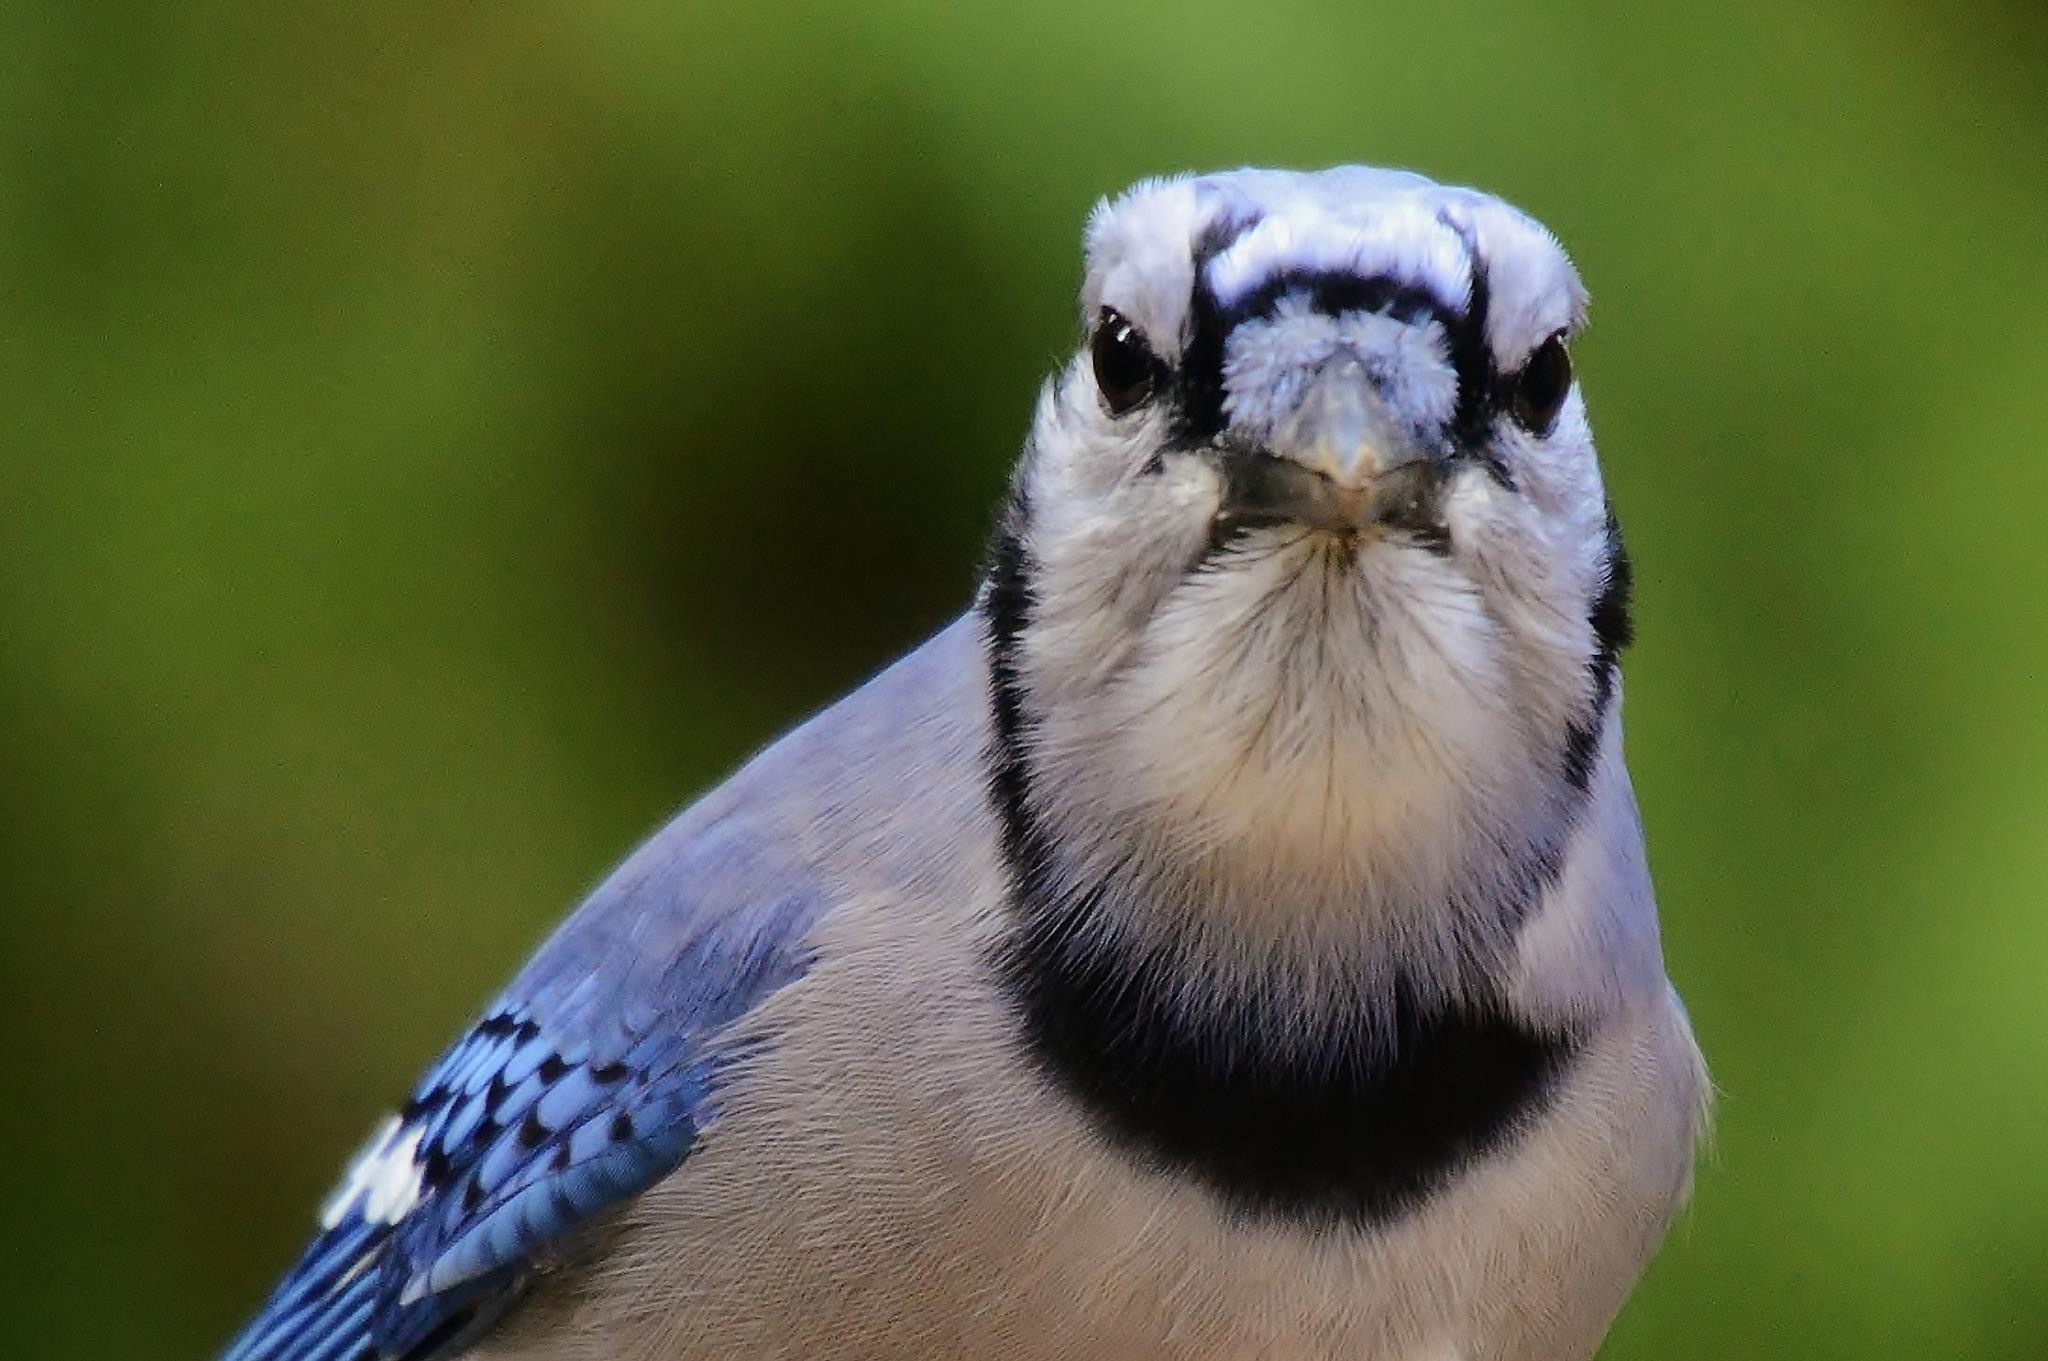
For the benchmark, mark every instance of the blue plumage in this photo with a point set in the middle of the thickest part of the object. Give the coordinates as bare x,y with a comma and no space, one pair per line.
1234,947
587,1081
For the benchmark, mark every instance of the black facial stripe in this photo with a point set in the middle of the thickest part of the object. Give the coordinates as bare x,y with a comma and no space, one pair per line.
1478,380
1220,235
1198,382
1335,292
1007,604
1198,385
1359,1123
1613,627
1612,615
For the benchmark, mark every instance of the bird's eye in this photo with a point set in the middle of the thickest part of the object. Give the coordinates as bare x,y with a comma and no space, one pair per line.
1126,370
1542,385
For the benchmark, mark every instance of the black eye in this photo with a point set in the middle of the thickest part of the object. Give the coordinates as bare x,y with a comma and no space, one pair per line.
1542,385
1125,368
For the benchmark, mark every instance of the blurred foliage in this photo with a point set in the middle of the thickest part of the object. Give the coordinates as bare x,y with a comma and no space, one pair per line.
437,438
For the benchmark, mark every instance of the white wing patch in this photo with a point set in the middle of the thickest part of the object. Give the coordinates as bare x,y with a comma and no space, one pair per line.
385,1178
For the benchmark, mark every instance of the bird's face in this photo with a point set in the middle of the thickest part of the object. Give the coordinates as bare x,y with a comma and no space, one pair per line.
1339,352
1312,525
1356,353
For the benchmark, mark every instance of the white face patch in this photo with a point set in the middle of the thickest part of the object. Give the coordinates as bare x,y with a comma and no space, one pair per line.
384,1179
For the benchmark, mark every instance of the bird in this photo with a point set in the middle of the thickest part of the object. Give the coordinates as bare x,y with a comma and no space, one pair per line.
1230,937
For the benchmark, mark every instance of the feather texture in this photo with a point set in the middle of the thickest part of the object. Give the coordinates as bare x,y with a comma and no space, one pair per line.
588,1080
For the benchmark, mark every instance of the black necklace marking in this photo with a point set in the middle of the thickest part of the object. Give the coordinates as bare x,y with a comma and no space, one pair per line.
1356,1125
1361,1129
1008,603
1613,626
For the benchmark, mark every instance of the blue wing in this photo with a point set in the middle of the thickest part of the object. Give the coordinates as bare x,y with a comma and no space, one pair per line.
583,1084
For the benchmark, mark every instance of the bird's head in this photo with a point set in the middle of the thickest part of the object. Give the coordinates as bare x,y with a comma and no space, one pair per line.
1309,557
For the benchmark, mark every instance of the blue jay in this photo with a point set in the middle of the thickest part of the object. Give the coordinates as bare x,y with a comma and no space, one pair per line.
1230,938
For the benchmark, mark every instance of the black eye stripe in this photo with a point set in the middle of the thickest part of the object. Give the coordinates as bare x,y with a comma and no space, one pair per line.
1220,235
1471,355
1198,382
1334,293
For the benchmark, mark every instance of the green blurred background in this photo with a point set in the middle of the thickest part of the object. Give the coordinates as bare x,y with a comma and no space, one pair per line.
436,439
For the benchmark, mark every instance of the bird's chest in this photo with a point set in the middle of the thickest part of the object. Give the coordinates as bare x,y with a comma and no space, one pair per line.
1020,1241
905,1184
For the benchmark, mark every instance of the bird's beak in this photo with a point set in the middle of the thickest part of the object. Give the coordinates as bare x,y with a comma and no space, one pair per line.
1341,460
1341,428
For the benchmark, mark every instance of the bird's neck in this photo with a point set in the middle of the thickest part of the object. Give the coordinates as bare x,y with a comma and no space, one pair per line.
1267,1028
1322,771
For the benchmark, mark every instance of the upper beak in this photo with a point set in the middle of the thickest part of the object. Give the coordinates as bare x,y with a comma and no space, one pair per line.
1342,460
1342,428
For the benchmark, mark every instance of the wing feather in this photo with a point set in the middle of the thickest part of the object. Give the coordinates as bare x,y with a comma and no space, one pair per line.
586,1082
